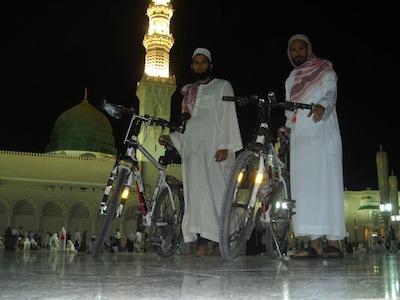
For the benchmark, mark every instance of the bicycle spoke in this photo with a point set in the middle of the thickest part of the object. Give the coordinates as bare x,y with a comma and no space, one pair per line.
236,219
279,226
166,225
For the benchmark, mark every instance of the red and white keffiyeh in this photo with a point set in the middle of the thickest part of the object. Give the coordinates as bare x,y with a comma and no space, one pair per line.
189,93
309,75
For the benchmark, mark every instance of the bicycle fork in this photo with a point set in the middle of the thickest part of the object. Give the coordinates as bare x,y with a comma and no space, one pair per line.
125,192
257,183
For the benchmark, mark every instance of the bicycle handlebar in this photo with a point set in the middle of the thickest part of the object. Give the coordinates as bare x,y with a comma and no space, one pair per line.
269,101
117,111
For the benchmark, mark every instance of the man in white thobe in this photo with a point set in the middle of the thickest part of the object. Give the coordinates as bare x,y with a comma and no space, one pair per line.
316,172
208,149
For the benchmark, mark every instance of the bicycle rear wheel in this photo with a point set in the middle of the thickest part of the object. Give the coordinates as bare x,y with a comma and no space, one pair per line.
115,197
166,226
236,220
280,212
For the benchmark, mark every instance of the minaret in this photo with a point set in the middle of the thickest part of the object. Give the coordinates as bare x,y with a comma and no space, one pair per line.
156,86
394,199
382,166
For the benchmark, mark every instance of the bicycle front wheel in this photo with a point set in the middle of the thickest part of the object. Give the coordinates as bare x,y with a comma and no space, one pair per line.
166,226
236,220
114,199
277,232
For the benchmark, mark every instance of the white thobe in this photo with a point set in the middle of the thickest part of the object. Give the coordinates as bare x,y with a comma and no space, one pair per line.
213,126
316,171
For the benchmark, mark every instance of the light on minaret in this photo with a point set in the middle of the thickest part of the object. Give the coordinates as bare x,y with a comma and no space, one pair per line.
158,41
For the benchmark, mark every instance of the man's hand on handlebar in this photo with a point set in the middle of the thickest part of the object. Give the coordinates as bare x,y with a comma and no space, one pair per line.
317,112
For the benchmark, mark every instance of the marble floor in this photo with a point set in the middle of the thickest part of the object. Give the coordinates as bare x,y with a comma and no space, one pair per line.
29,274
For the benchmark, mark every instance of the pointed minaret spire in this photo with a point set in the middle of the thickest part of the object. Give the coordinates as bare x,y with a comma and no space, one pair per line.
85,96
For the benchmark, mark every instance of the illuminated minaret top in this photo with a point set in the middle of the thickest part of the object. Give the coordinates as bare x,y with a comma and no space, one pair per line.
158,41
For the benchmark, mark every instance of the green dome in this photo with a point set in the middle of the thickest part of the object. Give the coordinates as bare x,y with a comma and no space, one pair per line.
82,128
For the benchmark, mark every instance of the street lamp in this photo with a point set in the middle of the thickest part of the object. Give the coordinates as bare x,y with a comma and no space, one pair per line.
395,218
385,207
386,211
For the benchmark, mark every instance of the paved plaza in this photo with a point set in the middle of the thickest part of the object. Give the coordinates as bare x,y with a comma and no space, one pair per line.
41,274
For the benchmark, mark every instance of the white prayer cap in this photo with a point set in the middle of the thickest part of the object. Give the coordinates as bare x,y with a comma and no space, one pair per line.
301,37
203,51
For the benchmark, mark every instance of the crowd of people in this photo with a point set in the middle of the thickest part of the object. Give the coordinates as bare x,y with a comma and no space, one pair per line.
22,239
62,241
120,242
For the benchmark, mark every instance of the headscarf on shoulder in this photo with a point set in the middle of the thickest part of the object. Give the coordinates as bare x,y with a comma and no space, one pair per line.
189,93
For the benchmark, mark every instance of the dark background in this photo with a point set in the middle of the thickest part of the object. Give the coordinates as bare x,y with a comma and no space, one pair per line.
52,50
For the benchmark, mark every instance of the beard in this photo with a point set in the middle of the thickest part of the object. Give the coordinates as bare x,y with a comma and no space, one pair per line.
202,75
298,61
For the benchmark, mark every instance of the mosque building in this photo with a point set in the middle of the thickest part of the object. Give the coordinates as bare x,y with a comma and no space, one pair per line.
63,186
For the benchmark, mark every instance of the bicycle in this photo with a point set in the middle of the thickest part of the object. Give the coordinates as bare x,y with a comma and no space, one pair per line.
164,215
259,178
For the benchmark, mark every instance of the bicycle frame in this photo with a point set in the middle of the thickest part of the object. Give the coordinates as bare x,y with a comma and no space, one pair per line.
163,211
136,174
130,161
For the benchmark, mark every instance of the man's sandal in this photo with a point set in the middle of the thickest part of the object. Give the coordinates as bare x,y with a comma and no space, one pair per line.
311,253
332,252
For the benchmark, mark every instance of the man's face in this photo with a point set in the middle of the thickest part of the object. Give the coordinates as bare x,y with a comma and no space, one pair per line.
201,67
298,50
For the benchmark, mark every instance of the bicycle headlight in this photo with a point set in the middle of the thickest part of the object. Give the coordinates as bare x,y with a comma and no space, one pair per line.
259,177
125,193
240,177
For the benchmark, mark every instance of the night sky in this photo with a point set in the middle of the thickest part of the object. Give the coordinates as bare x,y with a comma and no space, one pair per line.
52,50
